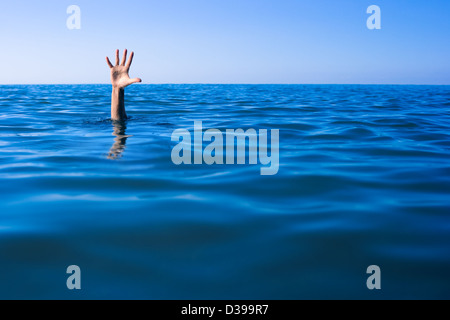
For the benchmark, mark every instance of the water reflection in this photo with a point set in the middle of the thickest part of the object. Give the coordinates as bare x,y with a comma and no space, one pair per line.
120,140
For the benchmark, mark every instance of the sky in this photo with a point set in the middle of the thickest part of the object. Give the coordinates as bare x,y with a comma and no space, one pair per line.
227,41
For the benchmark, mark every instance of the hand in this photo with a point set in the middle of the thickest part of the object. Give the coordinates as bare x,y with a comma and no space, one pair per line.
119,73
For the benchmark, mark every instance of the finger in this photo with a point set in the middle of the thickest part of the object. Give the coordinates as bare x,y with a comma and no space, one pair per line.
124,59
135,80
117,57
109,62
130,60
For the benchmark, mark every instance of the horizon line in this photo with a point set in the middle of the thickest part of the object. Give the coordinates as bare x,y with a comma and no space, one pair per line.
251,84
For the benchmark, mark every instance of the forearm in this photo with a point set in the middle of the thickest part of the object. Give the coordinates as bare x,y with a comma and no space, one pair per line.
118,104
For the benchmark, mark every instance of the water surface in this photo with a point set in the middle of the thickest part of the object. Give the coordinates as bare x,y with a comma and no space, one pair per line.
364,180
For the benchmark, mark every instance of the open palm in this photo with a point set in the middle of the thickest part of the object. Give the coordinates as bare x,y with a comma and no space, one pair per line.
119,73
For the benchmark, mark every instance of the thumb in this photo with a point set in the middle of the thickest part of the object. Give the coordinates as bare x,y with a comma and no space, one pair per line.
135,80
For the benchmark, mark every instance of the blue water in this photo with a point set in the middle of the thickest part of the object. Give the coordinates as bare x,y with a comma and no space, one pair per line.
364,179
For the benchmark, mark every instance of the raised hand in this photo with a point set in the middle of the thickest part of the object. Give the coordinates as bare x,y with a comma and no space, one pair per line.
119,73
120,80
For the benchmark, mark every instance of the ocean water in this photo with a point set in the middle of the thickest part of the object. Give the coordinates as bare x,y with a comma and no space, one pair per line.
364,179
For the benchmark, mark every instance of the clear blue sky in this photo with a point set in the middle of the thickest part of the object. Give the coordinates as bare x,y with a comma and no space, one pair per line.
228,41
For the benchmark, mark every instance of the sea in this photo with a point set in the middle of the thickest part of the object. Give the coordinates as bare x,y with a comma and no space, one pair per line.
363,181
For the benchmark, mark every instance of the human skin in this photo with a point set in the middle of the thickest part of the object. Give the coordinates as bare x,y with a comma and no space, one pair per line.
120,80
